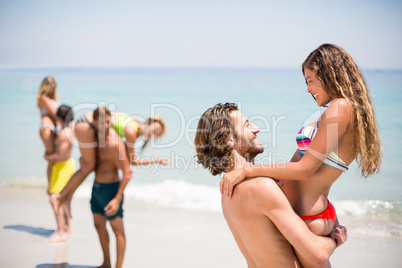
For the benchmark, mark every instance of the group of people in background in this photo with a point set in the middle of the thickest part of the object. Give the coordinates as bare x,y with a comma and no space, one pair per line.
100,136
58,148
279,215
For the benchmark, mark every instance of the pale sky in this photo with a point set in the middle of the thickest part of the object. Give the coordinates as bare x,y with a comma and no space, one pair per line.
202,33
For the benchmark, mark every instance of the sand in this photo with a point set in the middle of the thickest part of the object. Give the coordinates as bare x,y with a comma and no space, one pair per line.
156,237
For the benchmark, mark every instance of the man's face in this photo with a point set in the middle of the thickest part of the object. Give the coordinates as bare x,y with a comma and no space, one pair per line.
246,142
102,125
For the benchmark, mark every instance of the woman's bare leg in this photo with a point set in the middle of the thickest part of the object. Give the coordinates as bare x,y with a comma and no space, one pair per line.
47,137
66,221
49,171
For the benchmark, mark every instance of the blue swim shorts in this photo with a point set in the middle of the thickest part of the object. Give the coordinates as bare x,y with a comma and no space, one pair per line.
102,194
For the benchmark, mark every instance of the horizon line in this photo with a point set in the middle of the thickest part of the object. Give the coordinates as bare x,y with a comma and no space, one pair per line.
176,67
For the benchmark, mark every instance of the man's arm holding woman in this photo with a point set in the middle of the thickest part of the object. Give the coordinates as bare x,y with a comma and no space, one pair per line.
313,249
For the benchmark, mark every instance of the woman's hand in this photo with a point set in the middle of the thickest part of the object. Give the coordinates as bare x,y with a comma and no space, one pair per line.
230,180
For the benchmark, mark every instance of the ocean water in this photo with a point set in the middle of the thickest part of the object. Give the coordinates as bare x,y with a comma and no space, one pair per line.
274,99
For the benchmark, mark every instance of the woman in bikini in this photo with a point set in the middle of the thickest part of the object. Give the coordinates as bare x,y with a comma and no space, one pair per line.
128,128
346,131
48,103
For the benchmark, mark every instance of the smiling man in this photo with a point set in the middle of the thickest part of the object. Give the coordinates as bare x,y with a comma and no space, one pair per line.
259,216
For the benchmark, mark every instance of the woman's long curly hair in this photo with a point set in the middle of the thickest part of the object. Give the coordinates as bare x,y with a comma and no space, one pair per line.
341,78
214,129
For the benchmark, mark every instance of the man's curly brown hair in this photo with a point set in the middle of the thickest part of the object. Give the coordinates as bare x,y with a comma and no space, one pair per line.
214,129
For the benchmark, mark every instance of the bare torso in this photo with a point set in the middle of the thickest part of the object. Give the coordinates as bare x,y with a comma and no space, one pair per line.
64,144
107,160
310,197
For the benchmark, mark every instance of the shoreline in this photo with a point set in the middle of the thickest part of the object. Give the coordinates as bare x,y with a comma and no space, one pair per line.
156,237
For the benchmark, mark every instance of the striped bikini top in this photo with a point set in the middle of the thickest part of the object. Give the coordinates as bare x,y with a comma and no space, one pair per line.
303,139
54,104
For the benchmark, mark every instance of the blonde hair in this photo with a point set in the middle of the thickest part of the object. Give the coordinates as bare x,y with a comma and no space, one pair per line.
155,119
47,85
341,78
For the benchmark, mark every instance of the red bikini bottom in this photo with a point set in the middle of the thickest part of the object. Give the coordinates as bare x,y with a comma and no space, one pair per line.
328,213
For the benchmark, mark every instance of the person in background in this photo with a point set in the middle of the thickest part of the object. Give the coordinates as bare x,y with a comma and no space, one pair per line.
47,102
107,192
127,127
62,169
131,129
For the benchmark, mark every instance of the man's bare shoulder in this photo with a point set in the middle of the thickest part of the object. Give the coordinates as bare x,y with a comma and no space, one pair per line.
69,132
264,186
263,181
262,192
65,135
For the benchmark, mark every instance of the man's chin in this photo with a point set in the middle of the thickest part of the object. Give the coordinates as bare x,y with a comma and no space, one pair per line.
260,151
258,148
254,151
